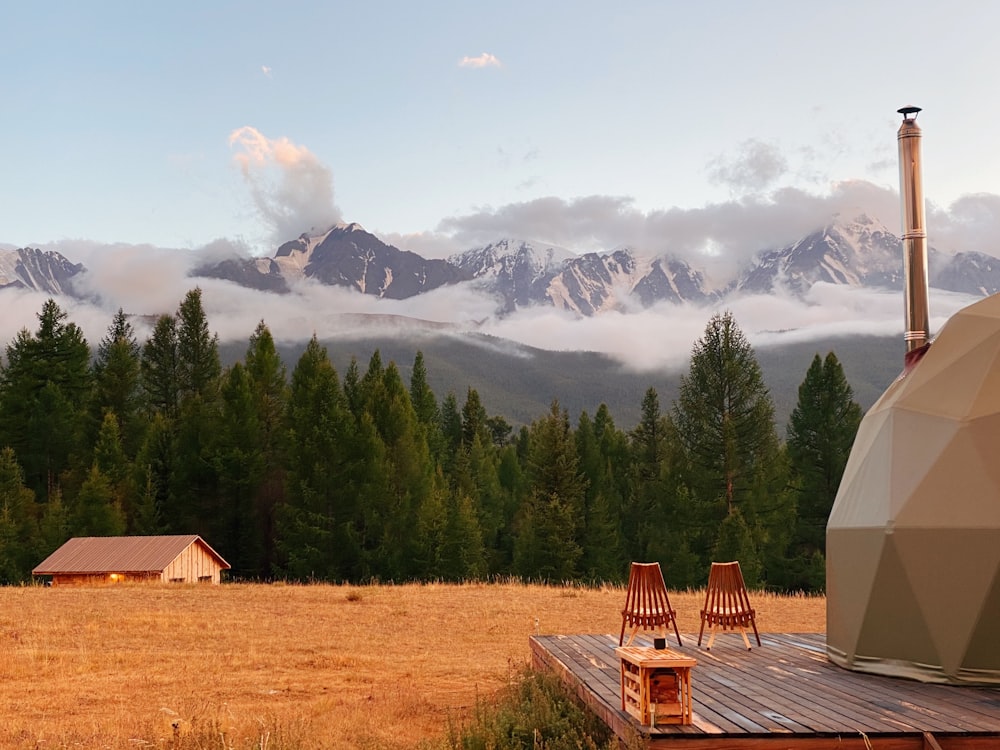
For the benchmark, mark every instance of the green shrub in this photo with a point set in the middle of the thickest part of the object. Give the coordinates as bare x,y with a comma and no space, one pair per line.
535,712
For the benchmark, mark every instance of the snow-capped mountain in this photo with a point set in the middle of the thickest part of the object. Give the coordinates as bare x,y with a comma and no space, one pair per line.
968,273
592,283
673,280
515,271
39,270
344,255
519,273
596,282
861,252
347,255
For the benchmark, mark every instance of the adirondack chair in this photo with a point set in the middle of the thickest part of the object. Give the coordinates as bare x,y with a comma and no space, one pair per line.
646,603
727,605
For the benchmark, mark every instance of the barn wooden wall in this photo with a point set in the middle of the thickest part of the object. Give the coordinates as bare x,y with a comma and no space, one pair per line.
193,565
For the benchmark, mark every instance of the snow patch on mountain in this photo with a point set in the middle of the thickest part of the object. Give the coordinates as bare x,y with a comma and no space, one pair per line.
8,267
509,255
293,256
39,270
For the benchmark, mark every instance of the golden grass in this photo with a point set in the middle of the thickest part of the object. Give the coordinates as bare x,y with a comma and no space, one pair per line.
288,666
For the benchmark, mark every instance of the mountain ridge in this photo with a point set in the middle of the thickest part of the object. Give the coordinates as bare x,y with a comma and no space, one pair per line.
519,273
516,274
520,382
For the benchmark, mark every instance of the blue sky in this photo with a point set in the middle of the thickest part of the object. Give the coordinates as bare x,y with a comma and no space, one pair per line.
438,124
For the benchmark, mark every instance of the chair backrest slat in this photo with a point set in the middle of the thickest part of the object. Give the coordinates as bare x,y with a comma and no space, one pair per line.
727,604
647,604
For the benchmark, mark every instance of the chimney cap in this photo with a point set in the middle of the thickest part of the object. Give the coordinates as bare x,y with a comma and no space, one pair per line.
908,110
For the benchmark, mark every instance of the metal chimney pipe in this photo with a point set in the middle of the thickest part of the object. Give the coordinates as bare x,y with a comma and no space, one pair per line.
911,193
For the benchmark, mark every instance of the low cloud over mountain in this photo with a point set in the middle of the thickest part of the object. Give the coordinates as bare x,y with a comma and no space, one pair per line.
644,308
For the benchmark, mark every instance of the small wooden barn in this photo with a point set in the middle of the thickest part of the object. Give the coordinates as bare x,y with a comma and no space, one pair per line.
115,559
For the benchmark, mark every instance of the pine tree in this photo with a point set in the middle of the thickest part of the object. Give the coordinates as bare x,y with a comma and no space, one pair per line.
409,470
109,454
475,478
195,480
198,366
146,519
194,489
451,432
116,370
55,525
425,406
352,388
548,546
159,368
11,568
19,533
736,542
615,453
269,386
724,422
267,380
499,430
474,420
513,489
96,512
317,526
463,554
603,556
239,463
44,389
154,468
63,352
820,434
431,530
424,403
451,547
110,459
644,516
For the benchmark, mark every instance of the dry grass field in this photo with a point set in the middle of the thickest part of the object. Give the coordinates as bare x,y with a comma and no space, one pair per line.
262,666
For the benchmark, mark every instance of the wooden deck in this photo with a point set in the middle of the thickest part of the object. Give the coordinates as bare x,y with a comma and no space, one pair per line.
783,695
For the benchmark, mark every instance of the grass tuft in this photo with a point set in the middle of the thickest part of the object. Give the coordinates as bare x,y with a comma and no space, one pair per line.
534,711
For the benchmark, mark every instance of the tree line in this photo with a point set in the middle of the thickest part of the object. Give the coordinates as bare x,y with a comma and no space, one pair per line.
360,476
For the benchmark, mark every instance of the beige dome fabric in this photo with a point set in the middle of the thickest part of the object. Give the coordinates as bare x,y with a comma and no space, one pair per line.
913,539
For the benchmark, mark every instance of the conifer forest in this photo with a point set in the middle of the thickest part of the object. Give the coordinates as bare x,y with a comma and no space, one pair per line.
295,471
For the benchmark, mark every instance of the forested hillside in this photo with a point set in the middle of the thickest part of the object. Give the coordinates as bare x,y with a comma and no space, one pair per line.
519,382
307,470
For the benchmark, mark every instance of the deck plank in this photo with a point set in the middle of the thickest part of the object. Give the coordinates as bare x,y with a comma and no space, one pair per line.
785,693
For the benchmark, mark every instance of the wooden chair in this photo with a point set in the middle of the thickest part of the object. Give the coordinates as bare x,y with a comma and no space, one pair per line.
646,603
727,605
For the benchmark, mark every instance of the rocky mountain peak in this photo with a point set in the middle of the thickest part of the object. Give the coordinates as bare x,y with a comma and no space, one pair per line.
858,251
41,270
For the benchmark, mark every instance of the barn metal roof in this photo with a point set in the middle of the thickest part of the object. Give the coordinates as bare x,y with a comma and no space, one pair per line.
124,554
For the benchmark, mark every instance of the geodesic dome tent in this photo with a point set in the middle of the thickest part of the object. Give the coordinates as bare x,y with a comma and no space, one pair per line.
913,539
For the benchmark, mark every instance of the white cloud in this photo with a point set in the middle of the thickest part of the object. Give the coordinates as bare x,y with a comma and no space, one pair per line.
721,236
140,279
266,70
153,281
971,223
485,60
757,166
427,244
290,188
661,337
